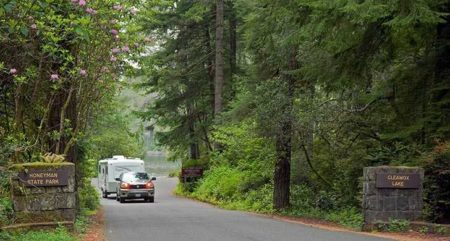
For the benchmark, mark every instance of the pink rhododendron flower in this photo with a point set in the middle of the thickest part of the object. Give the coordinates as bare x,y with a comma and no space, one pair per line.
115,50
33,26
82,2
13,71
54,77
91,11
83,72
117,7
133,10
126,48
113,59
114,31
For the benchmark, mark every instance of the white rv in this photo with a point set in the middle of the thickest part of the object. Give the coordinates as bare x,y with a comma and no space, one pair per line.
110,169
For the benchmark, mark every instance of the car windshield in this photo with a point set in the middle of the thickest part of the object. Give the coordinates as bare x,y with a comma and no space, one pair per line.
135,176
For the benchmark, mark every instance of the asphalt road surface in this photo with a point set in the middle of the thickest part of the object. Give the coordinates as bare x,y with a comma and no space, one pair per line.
177,219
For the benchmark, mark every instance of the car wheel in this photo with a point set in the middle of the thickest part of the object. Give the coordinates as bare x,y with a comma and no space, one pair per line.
151,199
122,200
104,194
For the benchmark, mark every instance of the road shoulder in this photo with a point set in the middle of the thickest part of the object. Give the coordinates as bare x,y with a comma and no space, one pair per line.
326,225
96,228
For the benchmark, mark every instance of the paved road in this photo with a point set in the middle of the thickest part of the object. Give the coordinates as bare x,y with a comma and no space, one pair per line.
178,219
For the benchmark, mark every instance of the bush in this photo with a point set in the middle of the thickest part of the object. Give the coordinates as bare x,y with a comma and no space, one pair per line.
398,225
219,184
437,184
349,217
81,224
6,211
88,197
259,200
175,173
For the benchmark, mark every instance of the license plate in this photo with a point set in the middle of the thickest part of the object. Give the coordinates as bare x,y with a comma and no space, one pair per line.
137,195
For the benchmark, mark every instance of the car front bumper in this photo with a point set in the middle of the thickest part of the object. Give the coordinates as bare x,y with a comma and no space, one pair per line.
136,193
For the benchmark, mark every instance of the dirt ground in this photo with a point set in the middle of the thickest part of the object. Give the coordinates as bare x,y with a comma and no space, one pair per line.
95,231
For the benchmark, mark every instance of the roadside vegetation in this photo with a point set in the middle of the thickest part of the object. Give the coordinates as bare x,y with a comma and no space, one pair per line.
60,234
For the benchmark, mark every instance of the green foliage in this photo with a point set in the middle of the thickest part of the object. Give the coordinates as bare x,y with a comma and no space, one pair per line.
442,230
398,225
88,197
55,73
6,205
60,234
175,173
81,223
219,184
6,211
110,135
4,183
437,183
179,77
424,230
348,217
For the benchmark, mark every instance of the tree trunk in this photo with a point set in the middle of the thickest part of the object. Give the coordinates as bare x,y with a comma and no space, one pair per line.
282,173
233,39
281,189
219,73
209,62
64,107
194,150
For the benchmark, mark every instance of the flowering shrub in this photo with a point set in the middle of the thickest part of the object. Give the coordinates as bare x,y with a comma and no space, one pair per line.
59,59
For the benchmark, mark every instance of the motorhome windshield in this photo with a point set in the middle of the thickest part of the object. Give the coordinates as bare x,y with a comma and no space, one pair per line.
120,169
135,176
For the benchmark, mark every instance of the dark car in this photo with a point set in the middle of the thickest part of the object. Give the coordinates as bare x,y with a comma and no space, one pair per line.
135,185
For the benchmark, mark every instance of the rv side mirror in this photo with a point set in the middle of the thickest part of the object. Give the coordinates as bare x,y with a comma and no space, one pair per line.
153,178
117,179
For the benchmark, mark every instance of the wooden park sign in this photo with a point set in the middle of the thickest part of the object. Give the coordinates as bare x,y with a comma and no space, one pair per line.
44,177
411,181
191,172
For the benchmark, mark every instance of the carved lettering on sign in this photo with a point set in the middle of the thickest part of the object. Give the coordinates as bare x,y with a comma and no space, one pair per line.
398,181
192,172
44,177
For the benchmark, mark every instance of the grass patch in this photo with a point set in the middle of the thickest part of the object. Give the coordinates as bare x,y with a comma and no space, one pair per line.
59,234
